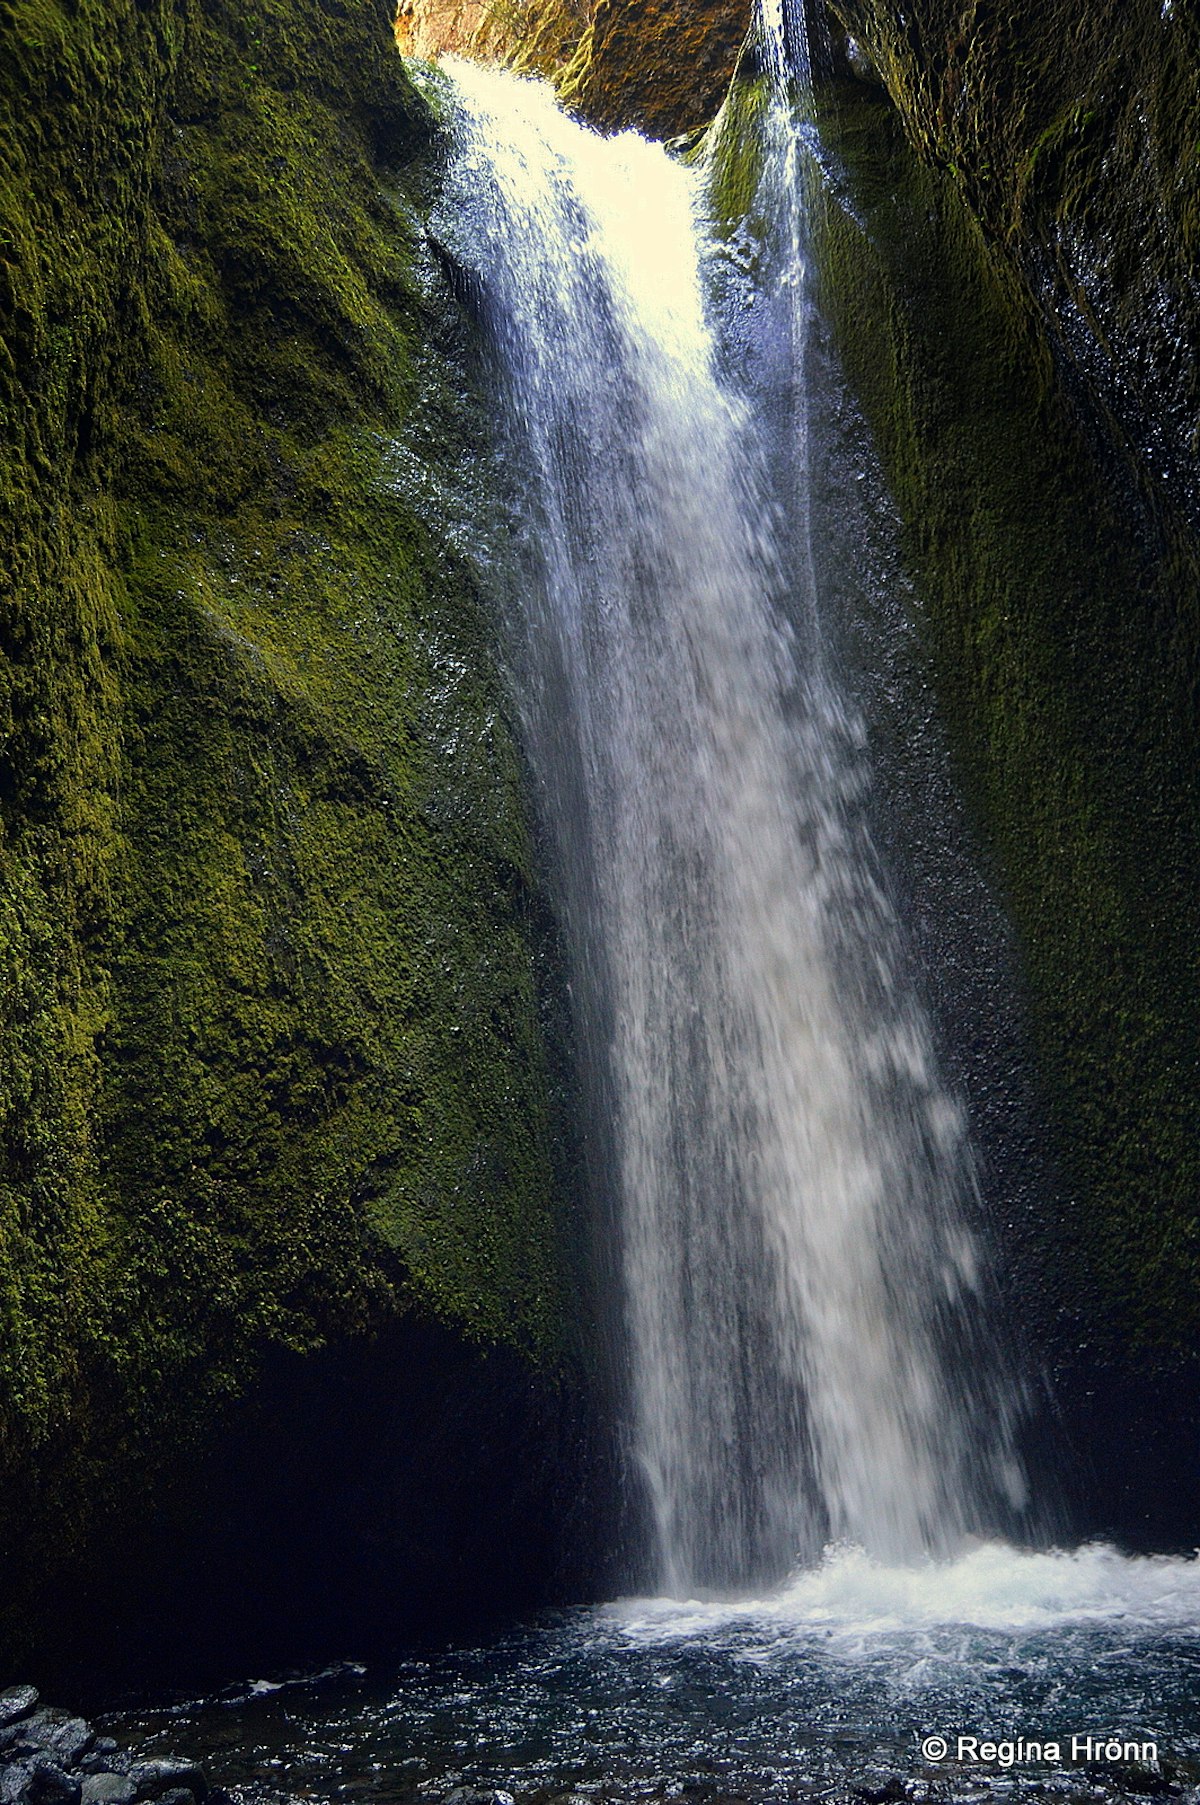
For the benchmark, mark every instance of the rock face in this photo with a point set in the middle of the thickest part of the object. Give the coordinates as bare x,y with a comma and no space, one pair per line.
533,35
662,66
1030,204
274,968
1073,134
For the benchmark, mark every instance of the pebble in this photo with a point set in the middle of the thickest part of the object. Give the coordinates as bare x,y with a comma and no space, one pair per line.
478,1795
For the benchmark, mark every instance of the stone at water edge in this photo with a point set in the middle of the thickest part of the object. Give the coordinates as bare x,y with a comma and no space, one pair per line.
16,1702
478,1795
57,1734
108,1789
38,1781
162,1775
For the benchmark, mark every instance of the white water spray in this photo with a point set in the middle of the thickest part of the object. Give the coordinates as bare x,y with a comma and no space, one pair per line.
792,1182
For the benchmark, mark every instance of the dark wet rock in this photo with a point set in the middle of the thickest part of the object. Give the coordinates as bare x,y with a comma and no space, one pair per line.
880,1790
104,1757
478,1795
1131,1777
56,1734
108,1788
14,1781
17,1702
49,1784
155,1779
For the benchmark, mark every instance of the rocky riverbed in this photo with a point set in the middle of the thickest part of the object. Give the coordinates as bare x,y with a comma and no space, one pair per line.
50,1756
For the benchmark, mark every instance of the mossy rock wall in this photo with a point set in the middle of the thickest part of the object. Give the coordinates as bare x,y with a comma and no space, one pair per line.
1056,577
273,959
1057,588
1072,132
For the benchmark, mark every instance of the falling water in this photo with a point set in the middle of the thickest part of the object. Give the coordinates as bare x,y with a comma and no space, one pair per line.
803,1294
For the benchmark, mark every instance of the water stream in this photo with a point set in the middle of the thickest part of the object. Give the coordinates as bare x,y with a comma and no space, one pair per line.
804,1294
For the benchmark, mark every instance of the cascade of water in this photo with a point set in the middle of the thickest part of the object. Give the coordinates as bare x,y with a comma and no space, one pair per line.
792,1180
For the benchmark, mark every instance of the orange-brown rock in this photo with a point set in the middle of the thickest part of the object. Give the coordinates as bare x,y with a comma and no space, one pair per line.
529,34
660,65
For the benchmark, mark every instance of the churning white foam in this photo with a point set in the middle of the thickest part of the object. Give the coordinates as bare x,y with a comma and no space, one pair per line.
991,1587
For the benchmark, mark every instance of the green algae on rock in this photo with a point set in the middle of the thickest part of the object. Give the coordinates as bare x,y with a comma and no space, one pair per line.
274,1067
1058,613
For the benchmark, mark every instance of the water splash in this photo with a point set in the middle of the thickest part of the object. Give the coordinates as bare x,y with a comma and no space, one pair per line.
802,1292
855,1600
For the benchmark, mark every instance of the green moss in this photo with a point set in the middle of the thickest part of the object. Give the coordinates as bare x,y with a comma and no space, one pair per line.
273,1061
732,149
1065,652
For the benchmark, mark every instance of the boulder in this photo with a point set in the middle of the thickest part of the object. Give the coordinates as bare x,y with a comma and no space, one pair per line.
16,1702
109,1789
157,1778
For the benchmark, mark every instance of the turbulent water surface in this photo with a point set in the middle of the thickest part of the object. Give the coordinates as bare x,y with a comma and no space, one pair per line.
824,1689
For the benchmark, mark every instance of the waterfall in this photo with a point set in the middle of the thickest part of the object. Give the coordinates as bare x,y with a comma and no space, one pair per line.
804,1296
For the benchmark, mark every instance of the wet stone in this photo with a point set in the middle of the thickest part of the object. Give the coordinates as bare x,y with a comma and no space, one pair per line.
478,1795
164,1775
14,1782
17,1702
110,1789
49,1785
102,1759
58,1735
885,1790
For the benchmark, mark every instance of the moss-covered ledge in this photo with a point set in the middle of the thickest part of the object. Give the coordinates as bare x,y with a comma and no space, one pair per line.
273,1068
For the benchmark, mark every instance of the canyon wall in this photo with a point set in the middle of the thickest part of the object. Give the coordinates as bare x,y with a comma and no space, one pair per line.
277,982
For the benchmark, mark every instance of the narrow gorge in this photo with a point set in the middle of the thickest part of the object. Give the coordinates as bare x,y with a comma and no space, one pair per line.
598,952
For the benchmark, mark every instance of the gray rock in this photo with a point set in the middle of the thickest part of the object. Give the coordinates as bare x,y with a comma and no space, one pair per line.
107,1788
108,1760
101,1760
15,1702
166,1774
58,1735
478,1795
49,1785
14,1782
